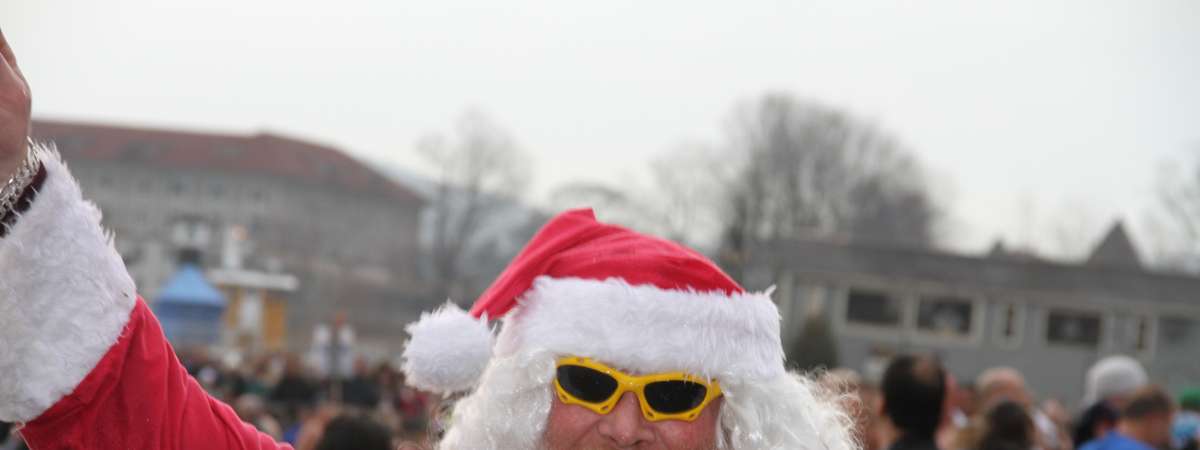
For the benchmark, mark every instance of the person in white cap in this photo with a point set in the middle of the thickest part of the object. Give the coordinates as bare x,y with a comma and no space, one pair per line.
1113,379
1107,386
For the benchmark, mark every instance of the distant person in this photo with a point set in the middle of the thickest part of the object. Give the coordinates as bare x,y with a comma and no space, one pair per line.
1107,385
876,432
295,394
414,408
360,390
999,384
354,432
1002,383
1186,430
1057,412
914,394
251,409
333,349
965,400
858,400
1144,424
1006,426
950,428
1113,379
1095,422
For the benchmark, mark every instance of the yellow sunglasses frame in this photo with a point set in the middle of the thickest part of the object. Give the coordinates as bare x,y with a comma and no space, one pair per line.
636,385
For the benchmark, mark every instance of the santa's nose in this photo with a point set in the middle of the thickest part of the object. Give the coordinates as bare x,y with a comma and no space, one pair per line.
625,427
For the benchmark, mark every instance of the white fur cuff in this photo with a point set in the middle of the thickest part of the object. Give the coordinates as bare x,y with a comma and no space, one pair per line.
65,296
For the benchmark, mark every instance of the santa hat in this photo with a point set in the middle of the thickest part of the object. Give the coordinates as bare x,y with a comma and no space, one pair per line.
585,288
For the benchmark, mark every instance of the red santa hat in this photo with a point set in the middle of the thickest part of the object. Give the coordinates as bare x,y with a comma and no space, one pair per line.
585,288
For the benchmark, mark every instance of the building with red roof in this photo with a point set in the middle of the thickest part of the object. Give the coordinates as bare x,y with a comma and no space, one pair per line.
349,233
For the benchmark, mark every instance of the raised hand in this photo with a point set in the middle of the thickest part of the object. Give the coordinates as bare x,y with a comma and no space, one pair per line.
15,107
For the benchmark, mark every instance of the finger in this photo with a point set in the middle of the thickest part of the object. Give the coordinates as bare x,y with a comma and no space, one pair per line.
6,51
6,72
10,58
9,75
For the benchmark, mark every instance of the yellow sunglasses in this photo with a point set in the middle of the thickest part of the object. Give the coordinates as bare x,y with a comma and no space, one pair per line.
664,396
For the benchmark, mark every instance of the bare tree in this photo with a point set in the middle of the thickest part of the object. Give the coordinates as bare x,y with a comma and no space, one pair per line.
480,169
789,169
1176,220
814,348
615,205
807,170
676,204
686,180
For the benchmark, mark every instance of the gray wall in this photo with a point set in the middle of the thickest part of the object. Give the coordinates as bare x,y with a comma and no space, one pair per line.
1052,369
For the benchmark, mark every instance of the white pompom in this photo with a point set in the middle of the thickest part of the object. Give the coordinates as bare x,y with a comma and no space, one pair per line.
448,351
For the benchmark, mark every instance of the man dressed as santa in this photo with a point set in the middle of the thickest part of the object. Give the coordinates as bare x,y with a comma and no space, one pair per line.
609,339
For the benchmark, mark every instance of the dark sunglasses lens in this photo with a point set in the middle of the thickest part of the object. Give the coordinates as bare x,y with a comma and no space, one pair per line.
586,384
673,397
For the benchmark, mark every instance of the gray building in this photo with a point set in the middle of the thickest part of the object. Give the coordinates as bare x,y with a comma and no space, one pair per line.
347,232
1049,320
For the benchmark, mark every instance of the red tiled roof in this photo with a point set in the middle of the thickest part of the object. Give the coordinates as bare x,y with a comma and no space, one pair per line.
264,154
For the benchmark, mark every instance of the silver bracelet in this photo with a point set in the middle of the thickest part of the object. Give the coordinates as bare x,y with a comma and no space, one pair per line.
15,186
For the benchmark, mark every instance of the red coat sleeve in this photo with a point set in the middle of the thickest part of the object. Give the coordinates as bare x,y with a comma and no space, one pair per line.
139,396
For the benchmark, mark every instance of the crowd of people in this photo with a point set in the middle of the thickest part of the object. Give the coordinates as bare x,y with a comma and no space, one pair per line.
292,402
286,398
919,405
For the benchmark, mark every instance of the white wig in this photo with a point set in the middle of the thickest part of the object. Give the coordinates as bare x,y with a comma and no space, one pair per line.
732,338
509,409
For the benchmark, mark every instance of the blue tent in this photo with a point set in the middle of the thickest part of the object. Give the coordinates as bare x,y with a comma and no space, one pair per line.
190,308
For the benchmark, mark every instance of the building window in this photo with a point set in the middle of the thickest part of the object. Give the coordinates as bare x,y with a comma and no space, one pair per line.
946,316
1178,334
1073,328
872,308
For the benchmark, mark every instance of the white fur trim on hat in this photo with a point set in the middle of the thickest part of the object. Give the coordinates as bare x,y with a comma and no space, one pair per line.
65,296
648,329
448,351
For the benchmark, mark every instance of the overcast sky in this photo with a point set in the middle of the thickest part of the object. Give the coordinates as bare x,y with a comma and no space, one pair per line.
1029,113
